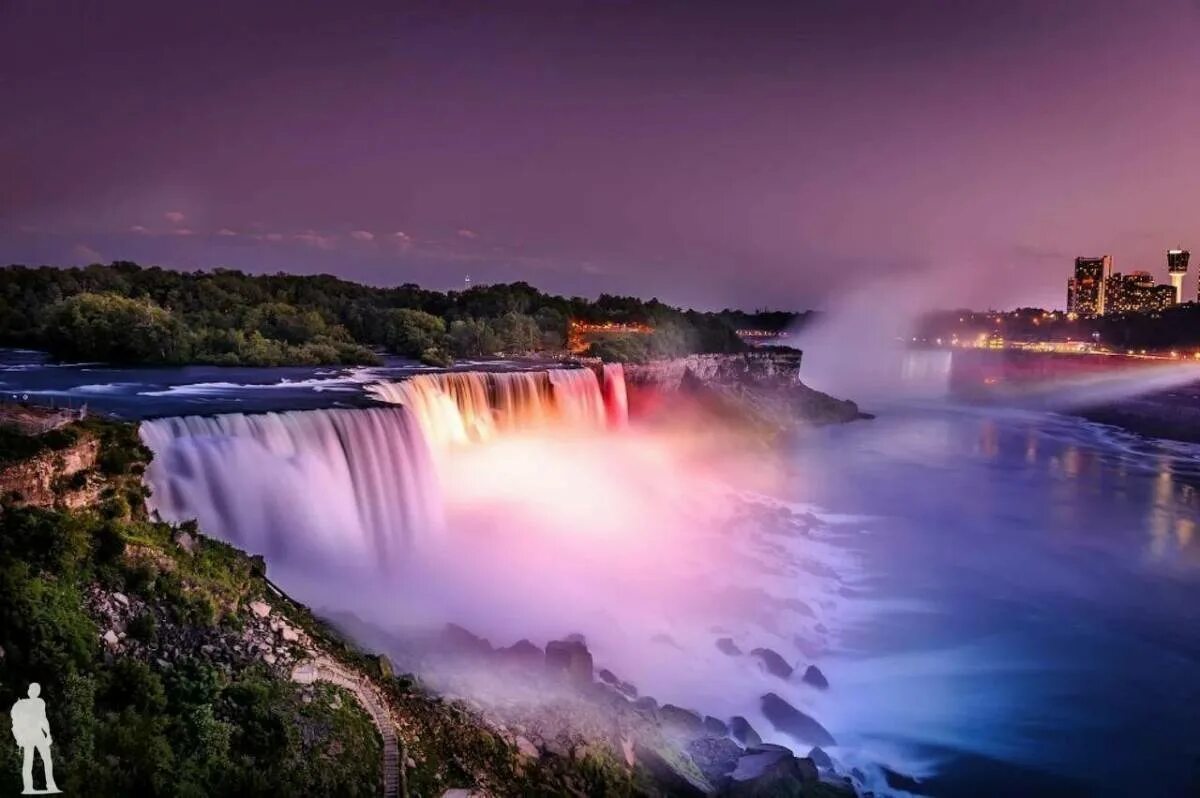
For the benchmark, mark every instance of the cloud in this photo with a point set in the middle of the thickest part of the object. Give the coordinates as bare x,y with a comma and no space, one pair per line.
183,231
314,239
362,235
139,229
470,235
274,236
86,254
401,236
225,231
174,217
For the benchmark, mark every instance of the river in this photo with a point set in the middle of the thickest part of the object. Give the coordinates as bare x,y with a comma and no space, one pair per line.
1024,618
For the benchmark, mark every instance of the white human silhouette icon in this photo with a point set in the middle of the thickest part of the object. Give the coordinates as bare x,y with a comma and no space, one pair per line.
32,732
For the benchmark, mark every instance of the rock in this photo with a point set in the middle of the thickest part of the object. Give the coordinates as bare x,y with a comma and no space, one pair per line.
269,659
727,646
570,660
575,637
665,640
647,706
820,759
628,689
457,640
526,748
767,771
289,634
715,726
260,608
121,599
110,639
606,695
791,721
813,676
608,677
773,662
185,541
715,756
667,777
522,653
681,719
743,732
899,781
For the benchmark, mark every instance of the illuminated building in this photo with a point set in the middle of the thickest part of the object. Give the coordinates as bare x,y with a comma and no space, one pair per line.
1085,291
1177,263
1136,292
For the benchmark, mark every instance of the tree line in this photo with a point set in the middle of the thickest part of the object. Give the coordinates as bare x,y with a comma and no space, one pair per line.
126,313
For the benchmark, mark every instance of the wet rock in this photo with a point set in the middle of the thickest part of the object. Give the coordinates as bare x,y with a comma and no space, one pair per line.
773,662
110,639
569,660
726,646
647,706
185,541
523,653
289,634
608,677
260,608
715,756
121,599
715,726
820,759
454,639
628,689
743,732
791,721
769,771
813,676
526,748
681,719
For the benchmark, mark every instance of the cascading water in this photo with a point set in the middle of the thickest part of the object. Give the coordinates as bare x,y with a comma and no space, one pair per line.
304,483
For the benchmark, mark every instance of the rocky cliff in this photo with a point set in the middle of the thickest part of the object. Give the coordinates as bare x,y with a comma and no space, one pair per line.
55,477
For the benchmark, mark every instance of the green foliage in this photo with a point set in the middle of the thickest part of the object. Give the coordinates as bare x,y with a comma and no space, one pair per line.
124,312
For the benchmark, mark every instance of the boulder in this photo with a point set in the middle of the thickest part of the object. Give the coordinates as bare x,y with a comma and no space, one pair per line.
899,781
715,726
667,777
726,646
791,721
681,719
647,706
185,541
522,653
455,639
569,660
769,771
110,639
527,748
743,732
715,756
813,676
628,689
773,662
820,759
121,599
260,608
608,677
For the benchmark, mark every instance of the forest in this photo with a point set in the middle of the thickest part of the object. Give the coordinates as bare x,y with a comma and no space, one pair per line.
126,313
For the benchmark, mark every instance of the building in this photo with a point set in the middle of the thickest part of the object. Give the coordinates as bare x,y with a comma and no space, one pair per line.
1177,264
1136,292
1085,291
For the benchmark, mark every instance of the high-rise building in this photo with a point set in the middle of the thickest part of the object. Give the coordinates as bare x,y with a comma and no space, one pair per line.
1177,264
1085,291
1136,292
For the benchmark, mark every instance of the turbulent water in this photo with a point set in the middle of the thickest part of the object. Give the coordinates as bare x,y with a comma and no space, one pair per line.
1004,602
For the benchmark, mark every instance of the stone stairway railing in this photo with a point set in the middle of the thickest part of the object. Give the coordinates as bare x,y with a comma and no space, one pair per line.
323,669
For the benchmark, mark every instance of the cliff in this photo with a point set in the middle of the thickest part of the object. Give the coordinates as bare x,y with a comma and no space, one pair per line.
763,387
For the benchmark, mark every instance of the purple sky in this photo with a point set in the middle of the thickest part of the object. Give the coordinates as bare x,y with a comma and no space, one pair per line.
709,153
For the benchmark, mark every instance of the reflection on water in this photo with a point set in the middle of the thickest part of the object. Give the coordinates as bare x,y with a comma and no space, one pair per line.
1045,563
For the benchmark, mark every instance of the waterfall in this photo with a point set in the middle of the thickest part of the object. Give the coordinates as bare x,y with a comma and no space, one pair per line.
358,483
473,406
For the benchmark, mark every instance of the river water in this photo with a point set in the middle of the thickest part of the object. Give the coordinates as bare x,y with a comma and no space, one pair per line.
1025,614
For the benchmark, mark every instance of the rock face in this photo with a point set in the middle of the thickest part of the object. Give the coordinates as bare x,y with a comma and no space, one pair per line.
457,640
791,721
523,653
570,660
813,676
49,479
773,662
681,719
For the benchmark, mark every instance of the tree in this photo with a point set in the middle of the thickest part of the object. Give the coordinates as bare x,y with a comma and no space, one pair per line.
115,328
473,338
410,332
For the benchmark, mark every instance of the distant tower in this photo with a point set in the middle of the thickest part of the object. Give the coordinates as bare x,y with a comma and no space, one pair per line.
1177,263
467,283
